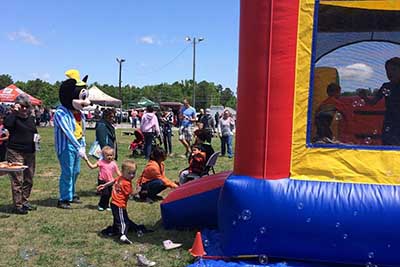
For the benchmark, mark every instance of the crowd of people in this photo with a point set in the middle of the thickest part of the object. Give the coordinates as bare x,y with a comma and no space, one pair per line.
19,143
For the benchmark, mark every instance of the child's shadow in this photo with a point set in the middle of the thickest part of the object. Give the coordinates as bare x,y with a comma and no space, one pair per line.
48,202
8,209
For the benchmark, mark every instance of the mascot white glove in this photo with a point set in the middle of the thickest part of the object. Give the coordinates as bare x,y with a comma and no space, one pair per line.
82,152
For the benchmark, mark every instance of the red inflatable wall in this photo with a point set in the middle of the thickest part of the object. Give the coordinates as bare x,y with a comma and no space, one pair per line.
267,57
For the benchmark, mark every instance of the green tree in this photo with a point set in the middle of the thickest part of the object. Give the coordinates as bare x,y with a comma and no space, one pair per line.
5,80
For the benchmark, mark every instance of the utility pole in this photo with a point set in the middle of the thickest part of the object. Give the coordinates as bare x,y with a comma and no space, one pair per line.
120,61
194,41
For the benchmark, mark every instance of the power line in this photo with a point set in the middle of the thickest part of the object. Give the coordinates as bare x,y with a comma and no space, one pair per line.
165,65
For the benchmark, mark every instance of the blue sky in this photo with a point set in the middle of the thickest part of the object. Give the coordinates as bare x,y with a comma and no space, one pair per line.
42,39
361,65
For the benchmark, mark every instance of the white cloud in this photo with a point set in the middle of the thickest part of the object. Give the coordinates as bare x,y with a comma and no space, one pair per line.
43,76
147,40
356,72
24,36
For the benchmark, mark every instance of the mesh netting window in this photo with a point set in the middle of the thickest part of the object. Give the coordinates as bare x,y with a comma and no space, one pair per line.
355,83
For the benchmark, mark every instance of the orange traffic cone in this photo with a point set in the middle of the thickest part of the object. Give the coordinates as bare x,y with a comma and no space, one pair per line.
197,249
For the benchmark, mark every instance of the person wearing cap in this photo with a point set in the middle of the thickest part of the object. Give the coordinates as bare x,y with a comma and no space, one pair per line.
21,148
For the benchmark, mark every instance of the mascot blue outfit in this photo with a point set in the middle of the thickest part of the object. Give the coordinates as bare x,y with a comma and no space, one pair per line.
69,134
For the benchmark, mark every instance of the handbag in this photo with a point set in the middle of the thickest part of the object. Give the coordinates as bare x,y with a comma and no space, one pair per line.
95,150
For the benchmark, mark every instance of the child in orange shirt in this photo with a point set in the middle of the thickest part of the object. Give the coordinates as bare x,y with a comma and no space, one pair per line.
122,189
153,179
326,112
197,163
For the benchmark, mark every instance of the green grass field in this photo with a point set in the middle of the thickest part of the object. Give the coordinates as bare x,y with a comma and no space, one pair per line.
56,237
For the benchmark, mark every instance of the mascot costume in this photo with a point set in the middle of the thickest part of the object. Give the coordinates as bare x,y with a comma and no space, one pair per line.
69,131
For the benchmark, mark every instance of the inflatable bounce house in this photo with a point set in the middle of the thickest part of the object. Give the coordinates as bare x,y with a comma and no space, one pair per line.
295,193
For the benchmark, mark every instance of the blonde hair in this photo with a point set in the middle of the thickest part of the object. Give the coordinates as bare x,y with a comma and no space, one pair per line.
107,149
128,165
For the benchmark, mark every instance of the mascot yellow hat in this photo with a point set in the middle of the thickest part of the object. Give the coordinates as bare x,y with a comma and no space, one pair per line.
74,74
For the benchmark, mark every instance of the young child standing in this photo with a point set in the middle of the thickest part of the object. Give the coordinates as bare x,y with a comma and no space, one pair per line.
108,169
121,190
197,163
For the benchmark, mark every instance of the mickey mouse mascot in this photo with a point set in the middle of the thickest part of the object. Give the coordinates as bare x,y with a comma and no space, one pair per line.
69,134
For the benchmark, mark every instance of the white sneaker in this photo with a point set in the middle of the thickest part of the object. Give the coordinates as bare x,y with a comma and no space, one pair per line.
168,244
143,261
125,240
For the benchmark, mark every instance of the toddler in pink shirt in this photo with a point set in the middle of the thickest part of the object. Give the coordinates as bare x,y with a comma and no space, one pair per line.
108,169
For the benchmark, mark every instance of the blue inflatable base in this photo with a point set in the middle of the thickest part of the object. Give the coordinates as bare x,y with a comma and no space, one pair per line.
211,241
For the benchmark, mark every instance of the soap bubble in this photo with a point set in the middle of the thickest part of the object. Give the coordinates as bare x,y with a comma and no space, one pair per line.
389,245
355,103
255,239
308,220
355,213
371,255
263,259
27,253
80,261
300,206
361,103
386,91
234,223
345,236
246,215
139,233
263,230
206,243
338,116
337,225
375,132
387,128
368,140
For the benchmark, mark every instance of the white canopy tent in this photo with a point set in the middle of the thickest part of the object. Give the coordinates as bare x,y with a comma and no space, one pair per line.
96,96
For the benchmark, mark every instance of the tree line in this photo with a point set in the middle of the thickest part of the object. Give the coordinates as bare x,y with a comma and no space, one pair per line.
207,93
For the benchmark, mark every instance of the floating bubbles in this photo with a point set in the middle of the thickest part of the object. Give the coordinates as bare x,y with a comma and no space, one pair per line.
345,236
139,233
206,242
375,132
371,255
80,261
338,116
263,259
389,246
337,225
386,91
387,129
368,140
355,213
300,206
262,230
355,103
361,103
234,223
246,215
255,239
27,253
308,220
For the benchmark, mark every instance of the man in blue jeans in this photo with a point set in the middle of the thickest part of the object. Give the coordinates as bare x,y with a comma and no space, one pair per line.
225,131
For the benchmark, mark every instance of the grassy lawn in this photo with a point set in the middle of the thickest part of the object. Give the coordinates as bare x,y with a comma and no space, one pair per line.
56,237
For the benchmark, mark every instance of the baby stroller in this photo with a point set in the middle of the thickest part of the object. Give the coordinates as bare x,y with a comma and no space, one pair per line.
137,145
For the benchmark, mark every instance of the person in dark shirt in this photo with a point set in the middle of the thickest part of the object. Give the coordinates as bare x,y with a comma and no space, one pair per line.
21,148
391,92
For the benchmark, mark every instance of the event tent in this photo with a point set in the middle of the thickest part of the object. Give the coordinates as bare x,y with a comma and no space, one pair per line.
10,93
144,102
96,96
